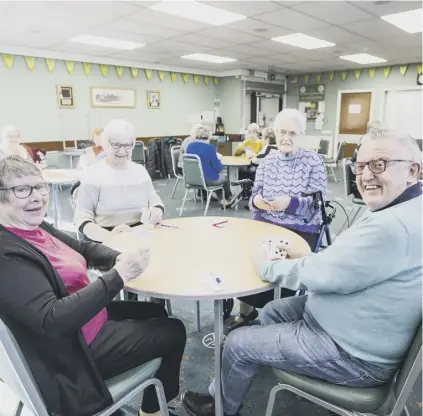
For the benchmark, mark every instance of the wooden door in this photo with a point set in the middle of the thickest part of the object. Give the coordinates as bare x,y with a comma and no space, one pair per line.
355,112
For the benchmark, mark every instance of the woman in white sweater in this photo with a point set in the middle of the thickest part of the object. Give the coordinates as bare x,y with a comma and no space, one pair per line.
116,193
10,143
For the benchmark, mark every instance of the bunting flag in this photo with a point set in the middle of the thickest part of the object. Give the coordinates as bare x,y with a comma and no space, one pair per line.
216,80
185,77
357,73
372,72
306,78
318,77
119,71
173,76
294,80
50,64
70,66
206,79
104,68
195,78
87,67
403,69
30,62
331,75
161,75
344,75
387,71
134,72
8,59
148,73
419,69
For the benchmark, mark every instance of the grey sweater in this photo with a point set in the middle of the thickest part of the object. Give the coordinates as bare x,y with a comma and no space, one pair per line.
365,289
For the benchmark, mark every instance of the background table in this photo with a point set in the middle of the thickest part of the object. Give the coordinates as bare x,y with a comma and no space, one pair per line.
234,162
181,257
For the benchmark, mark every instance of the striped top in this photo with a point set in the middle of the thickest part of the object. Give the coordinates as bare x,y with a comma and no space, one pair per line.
303,171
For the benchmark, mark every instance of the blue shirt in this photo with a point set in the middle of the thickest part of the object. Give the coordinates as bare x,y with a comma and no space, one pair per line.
209,160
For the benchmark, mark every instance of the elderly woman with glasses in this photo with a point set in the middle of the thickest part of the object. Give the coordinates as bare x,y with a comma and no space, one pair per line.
277,196
72,335
116,193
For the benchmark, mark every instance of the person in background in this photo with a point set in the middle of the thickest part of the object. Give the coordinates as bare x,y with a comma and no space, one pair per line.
269,141
187,141
364,306
71,333
277,198
90,155
116,193
210,161
10,143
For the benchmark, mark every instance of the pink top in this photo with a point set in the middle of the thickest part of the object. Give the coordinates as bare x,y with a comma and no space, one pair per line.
70,265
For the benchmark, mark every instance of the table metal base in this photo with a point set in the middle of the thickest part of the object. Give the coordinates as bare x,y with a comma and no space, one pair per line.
218,344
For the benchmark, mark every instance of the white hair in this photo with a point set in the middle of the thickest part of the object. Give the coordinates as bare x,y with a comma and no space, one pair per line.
253,129
293,115
202,133
117,129
8,131
269,134
193,131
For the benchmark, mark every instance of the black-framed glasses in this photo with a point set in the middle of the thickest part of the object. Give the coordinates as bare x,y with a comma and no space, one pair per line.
25,191
375,166
117,146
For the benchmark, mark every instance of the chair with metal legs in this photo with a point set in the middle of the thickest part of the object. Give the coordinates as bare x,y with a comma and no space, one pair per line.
175,152
17,376
334,163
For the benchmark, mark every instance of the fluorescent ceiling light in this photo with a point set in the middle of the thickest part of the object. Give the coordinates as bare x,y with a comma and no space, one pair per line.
198,11
303,41
363,58
208,58
410,21
106,42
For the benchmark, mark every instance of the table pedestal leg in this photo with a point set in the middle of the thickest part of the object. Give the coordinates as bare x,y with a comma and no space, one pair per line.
55,204
218,342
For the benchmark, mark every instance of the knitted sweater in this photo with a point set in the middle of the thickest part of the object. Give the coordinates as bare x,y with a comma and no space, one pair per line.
303,171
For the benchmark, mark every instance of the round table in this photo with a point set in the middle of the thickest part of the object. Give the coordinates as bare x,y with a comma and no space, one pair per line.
181,257
235,161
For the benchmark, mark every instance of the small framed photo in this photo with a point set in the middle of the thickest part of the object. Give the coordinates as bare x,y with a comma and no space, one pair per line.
65,96
107,97
153,99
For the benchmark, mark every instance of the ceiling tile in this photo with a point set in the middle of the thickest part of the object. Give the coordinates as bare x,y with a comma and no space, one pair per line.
374,28
288,3
204,40
292,20
335,34
30,38
368,46
229,54
172,46
312,55
246,8
257,28
138,55
271,45
229,35
336,12
249,50
382,8
118,34
81,48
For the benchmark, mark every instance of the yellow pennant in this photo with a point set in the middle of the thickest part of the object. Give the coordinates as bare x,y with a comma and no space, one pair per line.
87,67
372,72
134,72
294,80
331,75
8,59
30,62
119,71
318,77
70,66
196,79
419,69
403,69
357,73
387,71
161,75
216,80
185,78
173,76
148,73
50,64
344,75
306,78
104,68
206,79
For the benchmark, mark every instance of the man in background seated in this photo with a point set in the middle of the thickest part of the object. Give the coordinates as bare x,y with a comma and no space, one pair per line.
365,301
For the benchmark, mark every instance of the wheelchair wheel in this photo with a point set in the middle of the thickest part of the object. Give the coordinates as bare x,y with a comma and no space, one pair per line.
228,305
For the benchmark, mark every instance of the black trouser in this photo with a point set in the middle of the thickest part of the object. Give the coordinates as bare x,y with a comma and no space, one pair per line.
261,299
138,332
247,172
224,181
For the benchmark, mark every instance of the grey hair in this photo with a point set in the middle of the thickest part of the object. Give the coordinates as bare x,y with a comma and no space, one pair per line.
12,167
253,129
117,128
269,134
376,125
193,131
7,130
292,115
202,133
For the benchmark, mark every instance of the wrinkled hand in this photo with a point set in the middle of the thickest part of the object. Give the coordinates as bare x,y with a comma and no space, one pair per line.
280,203
261,203
130,265
122,228
293,251
219,156
155,215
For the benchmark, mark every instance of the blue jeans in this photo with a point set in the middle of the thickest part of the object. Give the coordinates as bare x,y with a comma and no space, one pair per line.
289,338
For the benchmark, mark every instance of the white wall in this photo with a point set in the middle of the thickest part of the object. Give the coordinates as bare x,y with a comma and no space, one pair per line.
28,100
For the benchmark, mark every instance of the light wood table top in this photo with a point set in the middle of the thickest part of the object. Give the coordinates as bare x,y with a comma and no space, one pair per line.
235,161
61,176
181,257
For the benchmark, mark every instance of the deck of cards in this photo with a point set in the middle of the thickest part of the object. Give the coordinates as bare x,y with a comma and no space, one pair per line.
272,247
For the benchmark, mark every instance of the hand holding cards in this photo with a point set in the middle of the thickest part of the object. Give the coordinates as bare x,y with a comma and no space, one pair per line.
274,248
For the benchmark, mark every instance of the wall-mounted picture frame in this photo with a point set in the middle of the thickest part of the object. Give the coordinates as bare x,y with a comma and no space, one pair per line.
65,96
153,99
108,97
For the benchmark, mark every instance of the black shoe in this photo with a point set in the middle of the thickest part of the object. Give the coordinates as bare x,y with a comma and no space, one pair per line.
198,404
246,319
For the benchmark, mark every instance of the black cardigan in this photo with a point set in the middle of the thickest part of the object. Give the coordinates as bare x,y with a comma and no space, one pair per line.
46,321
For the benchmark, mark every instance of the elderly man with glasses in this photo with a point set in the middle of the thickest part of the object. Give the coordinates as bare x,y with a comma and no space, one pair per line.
364,301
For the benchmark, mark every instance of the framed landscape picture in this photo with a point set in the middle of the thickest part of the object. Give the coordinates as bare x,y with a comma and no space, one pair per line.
107,97
153,99
65,96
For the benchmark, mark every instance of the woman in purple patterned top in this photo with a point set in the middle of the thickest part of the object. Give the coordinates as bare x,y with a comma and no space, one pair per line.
277,198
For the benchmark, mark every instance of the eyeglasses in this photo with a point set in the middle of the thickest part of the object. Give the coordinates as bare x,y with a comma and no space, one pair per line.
25,191
375,166
126,146
289,133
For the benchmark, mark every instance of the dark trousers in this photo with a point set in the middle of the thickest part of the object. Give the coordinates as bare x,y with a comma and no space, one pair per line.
247,172
224,181
261,299
138,332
